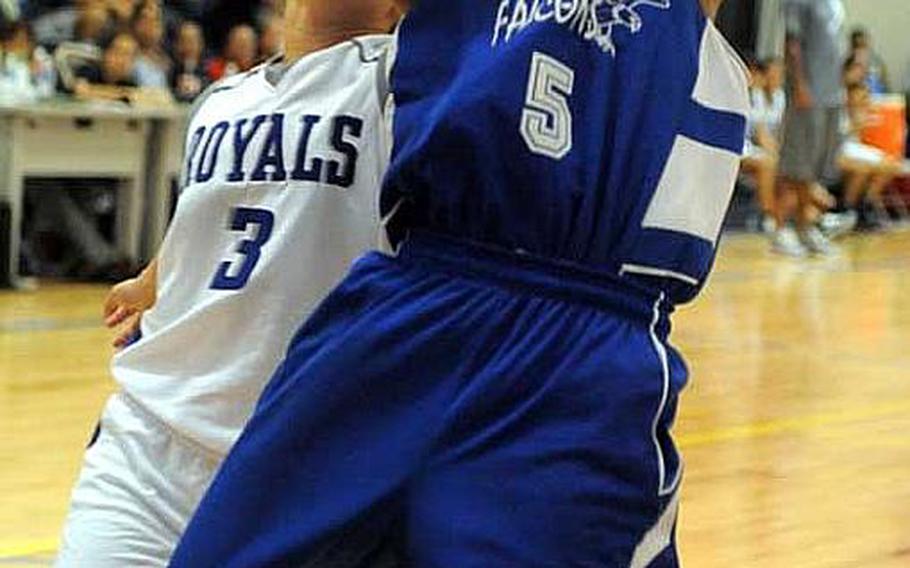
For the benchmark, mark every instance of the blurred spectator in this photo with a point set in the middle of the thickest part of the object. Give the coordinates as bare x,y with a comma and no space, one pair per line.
59,25
222,16
867,170
271,37
763,143
16,82
92,24
240,54
153,66
26,72
188,77
875,71
121,12
117,68
111,78
814,54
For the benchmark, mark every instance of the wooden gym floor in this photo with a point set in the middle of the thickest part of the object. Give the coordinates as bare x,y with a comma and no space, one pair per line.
796,426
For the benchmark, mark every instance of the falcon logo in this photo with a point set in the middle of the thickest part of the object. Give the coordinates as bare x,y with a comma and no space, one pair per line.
594,20
610,14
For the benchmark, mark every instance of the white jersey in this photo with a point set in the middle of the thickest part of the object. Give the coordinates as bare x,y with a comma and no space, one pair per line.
282,178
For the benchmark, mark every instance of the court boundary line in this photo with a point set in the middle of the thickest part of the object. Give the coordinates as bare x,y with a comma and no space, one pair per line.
807,422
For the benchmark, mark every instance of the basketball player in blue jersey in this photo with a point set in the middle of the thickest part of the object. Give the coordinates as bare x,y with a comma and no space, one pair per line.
500,391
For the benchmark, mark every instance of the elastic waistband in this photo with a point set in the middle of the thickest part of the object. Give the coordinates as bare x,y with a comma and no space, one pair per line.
538,275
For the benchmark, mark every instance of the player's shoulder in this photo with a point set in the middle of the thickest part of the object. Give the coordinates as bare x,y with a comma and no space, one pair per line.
362,62
378,52
226,85
356,54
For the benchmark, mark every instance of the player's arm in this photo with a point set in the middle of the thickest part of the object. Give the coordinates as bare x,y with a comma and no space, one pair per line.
150,97
793,53
139,96
802,92
128,300
85,90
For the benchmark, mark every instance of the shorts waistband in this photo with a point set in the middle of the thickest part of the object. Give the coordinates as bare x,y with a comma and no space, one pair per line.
539,275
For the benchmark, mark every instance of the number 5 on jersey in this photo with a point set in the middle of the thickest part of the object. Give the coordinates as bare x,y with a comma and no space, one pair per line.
234,275
546,121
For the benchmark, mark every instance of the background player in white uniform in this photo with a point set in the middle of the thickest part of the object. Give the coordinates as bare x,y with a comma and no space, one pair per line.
282,171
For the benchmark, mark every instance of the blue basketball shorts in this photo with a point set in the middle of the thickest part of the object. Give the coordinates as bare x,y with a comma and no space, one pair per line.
458,406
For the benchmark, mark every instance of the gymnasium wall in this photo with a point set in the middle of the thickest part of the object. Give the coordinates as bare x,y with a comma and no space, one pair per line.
889,22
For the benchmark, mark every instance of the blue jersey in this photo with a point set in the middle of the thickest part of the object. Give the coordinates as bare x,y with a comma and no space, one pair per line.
601,132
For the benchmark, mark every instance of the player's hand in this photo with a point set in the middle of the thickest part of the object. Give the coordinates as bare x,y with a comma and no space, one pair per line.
124,306
127,332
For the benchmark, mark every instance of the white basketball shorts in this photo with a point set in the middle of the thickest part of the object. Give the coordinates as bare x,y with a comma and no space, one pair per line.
140,484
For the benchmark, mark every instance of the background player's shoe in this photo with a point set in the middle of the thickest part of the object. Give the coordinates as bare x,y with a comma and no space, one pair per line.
817,243
836,225
768,224
787,243
872,220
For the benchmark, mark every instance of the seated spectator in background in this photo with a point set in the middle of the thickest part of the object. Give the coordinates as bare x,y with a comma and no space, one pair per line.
867,170
875,70
58,26
92,24
153,66
771,100
763,143
16,81
240,54
188,78
121,13
115,72
114,77
271,38
26,72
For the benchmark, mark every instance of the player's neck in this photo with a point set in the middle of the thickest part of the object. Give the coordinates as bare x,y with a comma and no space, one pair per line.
301,42
711,7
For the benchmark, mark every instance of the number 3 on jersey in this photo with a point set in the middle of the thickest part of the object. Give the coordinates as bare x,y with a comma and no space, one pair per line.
234,275
546,122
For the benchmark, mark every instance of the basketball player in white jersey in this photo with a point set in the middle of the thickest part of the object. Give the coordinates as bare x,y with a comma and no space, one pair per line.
282,171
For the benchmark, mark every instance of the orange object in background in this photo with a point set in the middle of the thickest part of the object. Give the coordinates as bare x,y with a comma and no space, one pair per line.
887,126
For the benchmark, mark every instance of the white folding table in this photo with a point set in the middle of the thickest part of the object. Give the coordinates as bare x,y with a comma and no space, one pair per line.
68,139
